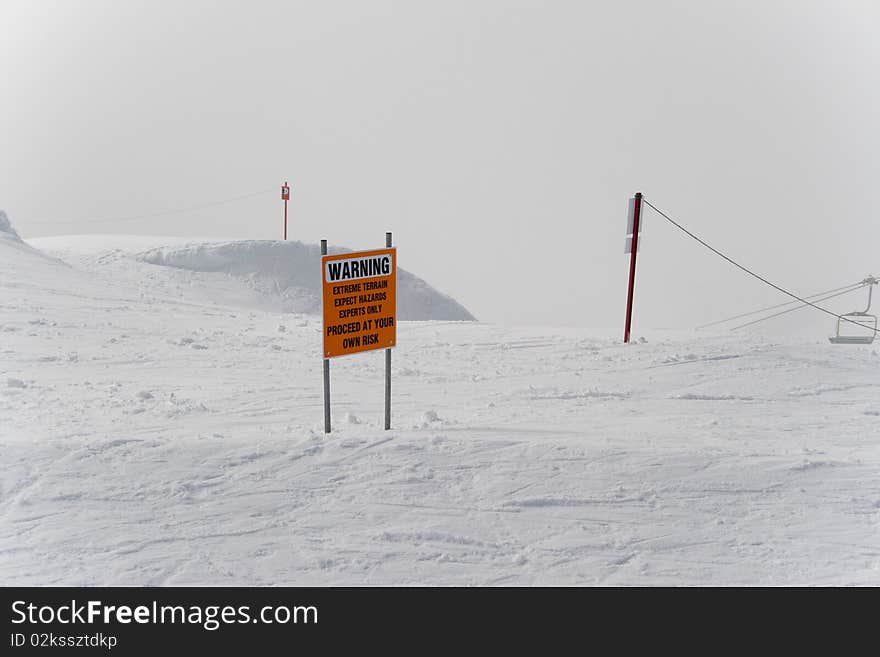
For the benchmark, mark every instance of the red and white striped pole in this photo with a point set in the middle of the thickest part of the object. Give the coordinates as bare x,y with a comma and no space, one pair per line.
285,196
634,249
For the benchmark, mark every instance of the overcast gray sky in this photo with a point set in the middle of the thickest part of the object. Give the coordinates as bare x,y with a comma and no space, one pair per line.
498,140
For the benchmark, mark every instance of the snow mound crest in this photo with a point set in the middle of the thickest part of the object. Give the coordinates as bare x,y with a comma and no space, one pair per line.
6,229
15,247
292,271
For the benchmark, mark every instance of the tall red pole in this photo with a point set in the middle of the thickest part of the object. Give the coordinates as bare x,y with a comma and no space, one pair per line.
632,266
285,195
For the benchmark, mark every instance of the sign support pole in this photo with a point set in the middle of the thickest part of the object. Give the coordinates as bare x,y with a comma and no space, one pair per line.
326,366
388,364
632,266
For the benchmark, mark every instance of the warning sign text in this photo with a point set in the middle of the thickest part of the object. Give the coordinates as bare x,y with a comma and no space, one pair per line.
360,307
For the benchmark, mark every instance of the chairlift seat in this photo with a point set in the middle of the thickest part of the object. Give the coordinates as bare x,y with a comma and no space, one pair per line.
851,339
863,319
858,318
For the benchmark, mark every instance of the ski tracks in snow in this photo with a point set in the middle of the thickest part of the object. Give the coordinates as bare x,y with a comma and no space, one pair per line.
146,439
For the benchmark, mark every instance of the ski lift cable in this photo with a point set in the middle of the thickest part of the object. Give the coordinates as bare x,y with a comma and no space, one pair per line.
847,288
155,214
789,310
749,271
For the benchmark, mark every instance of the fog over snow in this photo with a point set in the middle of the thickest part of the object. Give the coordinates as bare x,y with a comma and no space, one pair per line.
499,140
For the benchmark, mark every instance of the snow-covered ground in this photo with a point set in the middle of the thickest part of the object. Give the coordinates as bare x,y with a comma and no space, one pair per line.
164,426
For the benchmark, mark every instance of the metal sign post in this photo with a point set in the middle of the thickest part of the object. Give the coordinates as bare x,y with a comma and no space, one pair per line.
326,368
388,365
285,196
632,246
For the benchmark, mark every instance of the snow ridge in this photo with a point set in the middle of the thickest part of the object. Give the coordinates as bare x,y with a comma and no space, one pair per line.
292,271
6,229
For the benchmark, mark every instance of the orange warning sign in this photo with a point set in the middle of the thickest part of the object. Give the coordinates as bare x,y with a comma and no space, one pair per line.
360,301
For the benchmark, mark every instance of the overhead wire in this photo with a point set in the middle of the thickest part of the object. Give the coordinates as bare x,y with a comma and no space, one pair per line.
749,271
789,310
847,288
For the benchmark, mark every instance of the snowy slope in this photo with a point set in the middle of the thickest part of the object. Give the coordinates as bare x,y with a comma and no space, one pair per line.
156,438
14,249
262,274
7,232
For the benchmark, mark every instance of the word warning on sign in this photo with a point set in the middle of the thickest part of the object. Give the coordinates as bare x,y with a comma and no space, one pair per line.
360,301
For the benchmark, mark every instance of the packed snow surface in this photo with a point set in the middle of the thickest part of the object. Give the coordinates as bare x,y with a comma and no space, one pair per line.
162,429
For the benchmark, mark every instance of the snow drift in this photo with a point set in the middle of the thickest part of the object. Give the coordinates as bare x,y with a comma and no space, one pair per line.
263,275
292,270
10,238
6,230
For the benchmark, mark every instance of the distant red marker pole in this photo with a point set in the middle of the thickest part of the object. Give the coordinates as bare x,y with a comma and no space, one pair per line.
634,249
285,196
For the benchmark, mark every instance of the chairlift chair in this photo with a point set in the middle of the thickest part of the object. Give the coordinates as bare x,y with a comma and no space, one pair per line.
860,318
